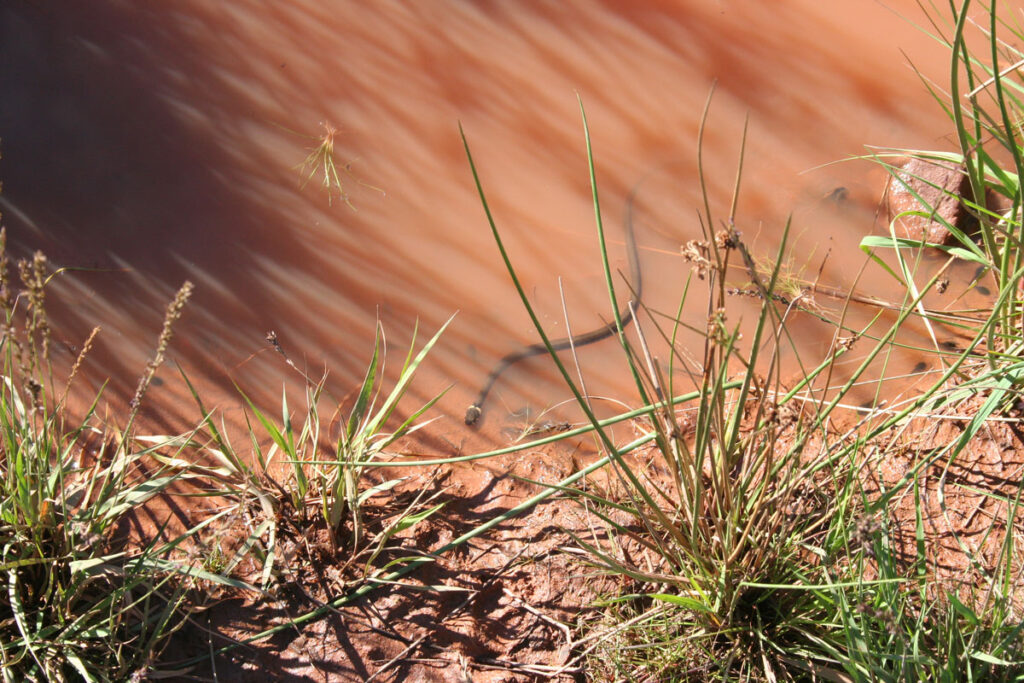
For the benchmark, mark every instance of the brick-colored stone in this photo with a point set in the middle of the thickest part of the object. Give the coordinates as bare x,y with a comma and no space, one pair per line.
940,185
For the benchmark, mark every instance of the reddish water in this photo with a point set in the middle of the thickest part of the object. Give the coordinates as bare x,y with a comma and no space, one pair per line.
157,142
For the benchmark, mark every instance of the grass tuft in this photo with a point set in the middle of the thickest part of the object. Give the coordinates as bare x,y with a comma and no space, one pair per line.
308,479
770,540
81,599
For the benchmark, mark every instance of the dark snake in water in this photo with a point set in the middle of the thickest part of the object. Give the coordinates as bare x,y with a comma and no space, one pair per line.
476,409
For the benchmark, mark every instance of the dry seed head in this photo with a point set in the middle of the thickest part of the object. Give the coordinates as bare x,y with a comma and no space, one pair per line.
716,325
6,300
81,357
739,291
33,277
882,614
696,252
174,310
35,389
272,340
864,531
846,343
726,239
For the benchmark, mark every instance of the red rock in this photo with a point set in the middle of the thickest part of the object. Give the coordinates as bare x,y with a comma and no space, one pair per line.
940,185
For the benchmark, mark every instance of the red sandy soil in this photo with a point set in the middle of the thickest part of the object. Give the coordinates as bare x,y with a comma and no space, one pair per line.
515,598
965,501
512,602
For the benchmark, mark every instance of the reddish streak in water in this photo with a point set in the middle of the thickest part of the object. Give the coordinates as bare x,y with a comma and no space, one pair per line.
164,139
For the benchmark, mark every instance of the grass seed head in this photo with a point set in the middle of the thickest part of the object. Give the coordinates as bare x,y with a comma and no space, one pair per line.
172,315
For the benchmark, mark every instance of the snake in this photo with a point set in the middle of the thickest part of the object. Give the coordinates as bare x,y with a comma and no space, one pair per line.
476,409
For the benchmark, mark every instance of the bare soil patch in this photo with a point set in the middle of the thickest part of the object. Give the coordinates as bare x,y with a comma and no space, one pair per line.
503,607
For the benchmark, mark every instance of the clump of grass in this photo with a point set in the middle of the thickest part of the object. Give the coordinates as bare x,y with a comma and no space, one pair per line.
323,485
765,553
734,524
79,601
925,628
738,505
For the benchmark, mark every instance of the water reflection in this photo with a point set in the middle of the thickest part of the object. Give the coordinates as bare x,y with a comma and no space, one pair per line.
149,143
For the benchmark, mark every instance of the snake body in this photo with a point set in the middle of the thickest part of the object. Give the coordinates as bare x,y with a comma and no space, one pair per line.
476,409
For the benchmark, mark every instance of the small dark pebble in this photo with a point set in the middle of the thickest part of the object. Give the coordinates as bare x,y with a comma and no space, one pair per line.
838,195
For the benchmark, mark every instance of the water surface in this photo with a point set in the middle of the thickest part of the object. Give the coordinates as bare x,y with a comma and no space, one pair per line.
154,142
